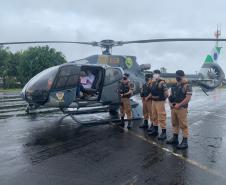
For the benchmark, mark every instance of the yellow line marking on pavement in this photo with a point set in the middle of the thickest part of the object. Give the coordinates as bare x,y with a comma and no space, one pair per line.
190,161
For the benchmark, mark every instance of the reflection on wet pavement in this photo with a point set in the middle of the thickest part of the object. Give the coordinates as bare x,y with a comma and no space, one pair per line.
43,149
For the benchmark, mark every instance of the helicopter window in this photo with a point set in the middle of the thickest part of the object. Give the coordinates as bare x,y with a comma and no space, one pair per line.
72,80
68,77
65,71
61,82
43,80
112,75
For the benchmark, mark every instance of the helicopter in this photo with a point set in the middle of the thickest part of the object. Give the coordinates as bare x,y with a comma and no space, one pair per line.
57,86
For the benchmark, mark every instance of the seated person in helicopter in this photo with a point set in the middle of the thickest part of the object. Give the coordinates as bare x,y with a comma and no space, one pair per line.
85,84
87,80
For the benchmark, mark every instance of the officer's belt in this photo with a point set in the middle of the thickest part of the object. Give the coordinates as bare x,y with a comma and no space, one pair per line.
155,98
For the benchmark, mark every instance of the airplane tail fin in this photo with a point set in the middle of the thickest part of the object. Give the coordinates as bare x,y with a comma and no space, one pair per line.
213,57
211,74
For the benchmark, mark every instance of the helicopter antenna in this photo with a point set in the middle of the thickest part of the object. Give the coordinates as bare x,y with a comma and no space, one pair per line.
217,35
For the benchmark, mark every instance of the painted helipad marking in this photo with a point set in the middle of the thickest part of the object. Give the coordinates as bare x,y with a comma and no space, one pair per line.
190,161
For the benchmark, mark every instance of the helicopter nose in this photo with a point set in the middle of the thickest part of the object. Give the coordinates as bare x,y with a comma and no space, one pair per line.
37,89
23,93
26,94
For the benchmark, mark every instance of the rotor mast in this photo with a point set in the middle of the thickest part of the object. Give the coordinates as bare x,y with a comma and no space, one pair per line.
107,45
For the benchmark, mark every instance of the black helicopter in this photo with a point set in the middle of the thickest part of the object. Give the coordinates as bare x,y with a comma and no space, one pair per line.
58,86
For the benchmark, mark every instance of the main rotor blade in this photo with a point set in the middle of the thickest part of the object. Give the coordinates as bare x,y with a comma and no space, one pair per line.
171,40
117,43
48,42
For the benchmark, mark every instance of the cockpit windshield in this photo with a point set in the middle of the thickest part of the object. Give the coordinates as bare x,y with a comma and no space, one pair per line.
42,81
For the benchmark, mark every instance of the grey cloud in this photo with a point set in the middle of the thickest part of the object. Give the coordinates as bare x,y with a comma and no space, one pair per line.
118,20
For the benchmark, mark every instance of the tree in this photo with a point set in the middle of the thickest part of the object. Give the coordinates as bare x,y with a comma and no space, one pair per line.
5,57
23,65
36,59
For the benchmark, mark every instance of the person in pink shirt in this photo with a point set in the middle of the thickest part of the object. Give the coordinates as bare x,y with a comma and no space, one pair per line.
85,82
87,79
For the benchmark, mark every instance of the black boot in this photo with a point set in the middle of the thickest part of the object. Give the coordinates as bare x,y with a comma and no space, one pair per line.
173,140
129,126
151,128
145,124
154,131
162,135
122,124
183,144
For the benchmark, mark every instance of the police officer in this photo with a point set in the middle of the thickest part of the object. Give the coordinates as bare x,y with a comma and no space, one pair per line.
126,92
159,93
179,98
145,91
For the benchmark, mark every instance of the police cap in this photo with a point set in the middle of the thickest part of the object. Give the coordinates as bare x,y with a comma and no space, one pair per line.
149,75
126,74
180,73
156,71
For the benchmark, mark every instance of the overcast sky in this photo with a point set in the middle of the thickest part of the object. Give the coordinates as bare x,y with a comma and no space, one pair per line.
95,20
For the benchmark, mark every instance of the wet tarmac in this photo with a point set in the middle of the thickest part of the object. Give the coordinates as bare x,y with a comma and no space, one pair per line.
44,149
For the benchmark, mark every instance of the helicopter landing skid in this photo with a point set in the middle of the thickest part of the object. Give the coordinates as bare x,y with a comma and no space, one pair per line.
30,108
75,119
74,112
77,111
96,122
136,111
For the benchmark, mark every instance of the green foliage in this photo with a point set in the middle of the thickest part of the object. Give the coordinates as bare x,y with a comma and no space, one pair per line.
11,82
23,65
5,56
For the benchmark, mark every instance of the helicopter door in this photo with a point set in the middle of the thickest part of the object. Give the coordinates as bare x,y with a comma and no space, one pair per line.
111,85
63,92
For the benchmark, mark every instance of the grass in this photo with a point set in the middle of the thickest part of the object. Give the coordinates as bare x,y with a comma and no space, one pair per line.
10,90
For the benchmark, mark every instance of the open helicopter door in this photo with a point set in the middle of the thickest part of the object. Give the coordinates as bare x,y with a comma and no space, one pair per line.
112,79
63,92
